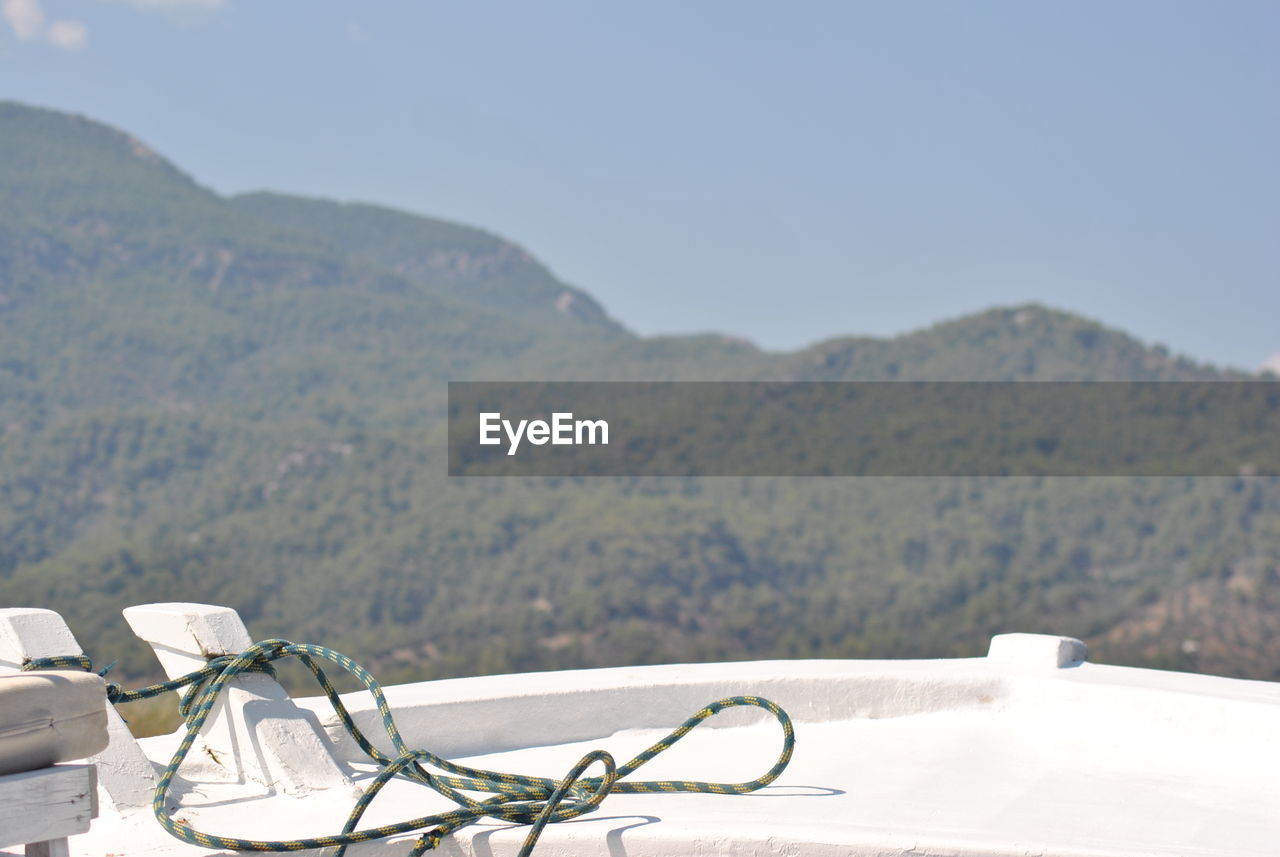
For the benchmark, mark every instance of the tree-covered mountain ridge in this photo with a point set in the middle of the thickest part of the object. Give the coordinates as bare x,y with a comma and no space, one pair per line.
239,400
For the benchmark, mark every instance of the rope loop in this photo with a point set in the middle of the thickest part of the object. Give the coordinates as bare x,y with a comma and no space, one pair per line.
59,662
517,798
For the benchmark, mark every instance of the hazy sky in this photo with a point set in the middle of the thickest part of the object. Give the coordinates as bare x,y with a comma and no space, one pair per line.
787,172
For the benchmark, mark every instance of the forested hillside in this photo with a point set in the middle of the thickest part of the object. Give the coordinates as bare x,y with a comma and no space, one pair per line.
241,401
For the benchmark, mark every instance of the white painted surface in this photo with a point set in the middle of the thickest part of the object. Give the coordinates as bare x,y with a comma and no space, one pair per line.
1029,751
124,772
892,758
255,731
48,848
1037,651
48,804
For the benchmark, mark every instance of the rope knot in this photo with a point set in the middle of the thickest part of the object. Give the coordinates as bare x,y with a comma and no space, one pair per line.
426,842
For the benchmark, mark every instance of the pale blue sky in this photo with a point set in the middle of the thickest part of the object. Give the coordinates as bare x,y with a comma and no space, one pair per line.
787,172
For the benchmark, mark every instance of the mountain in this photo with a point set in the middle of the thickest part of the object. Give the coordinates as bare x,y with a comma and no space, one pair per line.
241,401
438,257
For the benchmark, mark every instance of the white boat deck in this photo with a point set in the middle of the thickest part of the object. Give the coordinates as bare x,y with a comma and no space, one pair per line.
1029,751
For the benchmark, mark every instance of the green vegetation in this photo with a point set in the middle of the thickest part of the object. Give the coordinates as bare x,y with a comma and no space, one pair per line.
241,401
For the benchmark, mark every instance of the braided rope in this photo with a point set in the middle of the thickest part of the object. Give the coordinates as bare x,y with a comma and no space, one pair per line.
517,798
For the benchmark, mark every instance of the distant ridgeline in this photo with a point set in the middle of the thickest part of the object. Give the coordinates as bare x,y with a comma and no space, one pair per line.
242,401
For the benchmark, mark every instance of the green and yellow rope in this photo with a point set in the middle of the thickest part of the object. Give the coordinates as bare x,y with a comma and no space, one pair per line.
520,799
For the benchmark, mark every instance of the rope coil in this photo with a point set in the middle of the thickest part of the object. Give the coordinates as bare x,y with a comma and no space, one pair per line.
517,798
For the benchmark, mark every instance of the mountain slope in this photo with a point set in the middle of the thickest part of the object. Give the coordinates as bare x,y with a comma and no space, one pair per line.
1025,343
241,401
457,261
147,288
